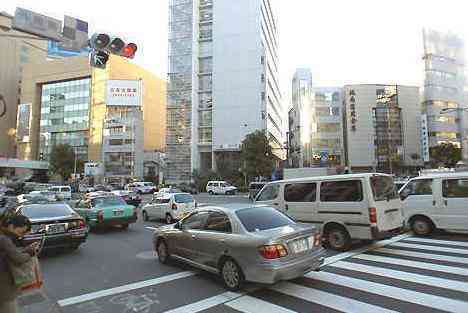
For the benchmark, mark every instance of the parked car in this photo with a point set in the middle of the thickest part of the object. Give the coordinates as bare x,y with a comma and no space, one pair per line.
242,243
190,188
86,189
62,192
166,190
106,210
129,197
436,201
353,206
254,188
220,188
170,207
141,187
56,224
48,195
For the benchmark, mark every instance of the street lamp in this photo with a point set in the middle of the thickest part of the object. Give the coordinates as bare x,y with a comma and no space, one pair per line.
463,139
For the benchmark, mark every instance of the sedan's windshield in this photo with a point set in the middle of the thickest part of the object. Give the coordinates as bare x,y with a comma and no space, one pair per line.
46,211
183,198
107,201
262,218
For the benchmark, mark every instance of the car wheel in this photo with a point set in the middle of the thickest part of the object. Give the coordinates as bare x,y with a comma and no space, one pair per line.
169,219
145,216
338,239
210,192
232,275
422,226
163,252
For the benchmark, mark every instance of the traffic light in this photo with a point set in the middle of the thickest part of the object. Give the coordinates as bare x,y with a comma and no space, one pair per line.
102,45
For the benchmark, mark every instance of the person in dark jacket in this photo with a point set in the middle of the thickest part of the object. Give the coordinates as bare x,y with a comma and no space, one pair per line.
10,252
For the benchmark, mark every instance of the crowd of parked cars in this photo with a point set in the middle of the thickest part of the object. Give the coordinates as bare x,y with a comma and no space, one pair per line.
280,235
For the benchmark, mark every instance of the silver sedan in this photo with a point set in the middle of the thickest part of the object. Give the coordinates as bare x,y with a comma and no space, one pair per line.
242,243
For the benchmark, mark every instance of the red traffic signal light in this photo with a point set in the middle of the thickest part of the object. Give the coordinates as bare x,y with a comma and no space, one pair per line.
129,50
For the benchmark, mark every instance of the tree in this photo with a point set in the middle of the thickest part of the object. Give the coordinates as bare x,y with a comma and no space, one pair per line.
445,154
62,160
256,155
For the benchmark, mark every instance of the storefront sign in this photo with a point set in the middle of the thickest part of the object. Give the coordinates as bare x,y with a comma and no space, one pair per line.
124,92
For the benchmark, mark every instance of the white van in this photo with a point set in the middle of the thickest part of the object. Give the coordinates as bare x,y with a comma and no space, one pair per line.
141,187
62,192
353,206
220,188
436,201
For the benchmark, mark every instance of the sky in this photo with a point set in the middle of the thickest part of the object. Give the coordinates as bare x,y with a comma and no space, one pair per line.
341,41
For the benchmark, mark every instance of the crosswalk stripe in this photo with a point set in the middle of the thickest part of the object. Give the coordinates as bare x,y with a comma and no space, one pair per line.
248,304
206,303
415,278
415,264
327,299
431,248
415,297
429,256
440,242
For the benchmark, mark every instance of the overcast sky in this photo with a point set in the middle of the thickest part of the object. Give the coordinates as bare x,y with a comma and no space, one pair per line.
342,41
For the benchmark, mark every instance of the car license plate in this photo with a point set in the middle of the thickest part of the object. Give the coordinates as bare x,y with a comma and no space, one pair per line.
55,228
119,213
300,245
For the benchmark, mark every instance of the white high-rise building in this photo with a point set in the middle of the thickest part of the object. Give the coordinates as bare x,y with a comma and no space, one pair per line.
223,83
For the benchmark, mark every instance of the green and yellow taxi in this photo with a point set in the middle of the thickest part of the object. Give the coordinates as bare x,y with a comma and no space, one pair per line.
104,210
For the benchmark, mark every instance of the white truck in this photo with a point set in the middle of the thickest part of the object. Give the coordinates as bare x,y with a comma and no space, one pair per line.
303,172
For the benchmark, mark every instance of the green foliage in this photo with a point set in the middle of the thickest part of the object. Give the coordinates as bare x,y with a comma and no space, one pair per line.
62,160
256,155
445,154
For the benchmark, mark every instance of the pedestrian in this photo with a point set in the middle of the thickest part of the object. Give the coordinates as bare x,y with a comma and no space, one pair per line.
12,229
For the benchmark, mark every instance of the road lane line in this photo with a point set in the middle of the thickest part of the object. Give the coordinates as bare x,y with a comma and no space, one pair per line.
441,242
376,245
151,228
327,299
430,248
248,304
429,300
422,255
407,276
124,288
415,264
206,303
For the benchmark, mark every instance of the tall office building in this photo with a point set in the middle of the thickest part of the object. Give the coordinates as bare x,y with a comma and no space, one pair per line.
16,50
382,127
223,83
443,89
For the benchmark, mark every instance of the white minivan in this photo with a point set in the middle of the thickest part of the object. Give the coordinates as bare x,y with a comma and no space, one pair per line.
62,192
170,207
220,188
436,201
353,206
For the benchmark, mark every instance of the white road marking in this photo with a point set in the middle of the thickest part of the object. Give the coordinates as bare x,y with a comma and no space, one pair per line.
440,242
415,264
248,304
430,248
373,246
206,303
415,278
433,301
429,256
124,288
328,299
151,228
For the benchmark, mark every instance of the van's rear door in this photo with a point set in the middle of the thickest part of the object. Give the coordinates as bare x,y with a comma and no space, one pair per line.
386,202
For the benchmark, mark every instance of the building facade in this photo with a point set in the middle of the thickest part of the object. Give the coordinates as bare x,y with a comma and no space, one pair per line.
382,127
17,49
108,116
223,82
443,89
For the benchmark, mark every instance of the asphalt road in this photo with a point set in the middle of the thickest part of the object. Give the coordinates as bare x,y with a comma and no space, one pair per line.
116,271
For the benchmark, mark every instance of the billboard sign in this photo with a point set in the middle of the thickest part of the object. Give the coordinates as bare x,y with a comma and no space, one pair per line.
124,92
24,122
74,39
37,24
93,169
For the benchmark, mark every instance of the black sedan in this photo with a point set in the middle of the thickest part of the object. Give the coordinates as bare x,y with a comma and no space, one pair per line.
56,224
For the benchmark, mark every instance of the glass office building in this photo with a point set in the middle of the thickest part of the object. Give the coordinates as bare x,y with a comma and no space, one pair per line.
65,116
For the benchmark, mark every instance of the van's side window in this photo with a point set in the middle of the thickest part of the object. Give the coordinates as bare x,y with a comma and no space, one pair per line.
269,193
418,187
455,188
341,191
300,192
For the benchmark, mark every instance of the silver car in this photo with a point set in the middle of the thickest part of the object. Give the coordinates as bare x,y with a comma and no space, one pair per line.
242,243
